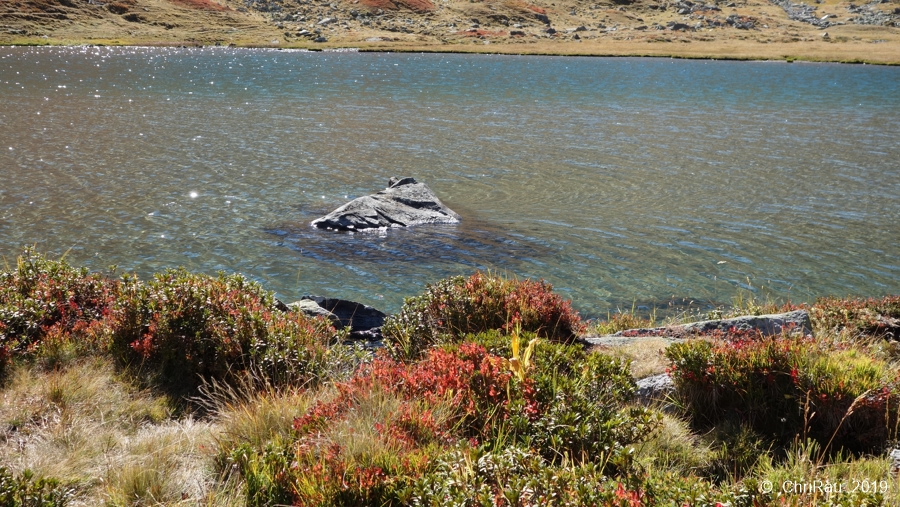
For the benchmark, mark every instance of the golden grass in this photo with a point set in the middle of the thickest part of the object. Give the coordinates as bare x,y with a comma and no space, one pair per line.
674,448
114,444
645,355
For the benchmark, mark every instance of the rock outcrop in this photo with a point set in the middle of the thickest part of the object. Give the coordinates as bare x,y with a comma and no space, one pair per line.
655,389
404,203
776,323
363,320
312,309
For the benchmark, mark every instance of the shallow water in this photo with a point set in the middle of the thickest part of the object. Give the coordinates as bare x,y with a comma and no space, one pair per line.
617,180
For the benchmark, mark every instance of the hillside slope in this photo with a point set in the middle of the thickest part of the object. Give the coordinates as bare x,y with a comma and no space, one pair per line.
835,30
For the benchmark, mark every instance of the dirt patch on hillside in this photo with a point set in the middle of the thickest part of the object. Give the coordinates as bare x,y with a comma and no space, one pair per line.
204,5
482,33
419,6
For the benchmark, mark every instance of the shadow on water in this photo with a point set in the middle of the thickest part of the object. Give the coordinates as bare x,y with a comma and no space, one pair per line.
473,243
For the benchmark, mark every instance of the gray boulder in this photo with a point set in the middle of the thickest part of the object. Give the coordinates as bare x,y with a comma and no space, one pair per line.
657,388
767,325
357,316
775,323
312,309
404,203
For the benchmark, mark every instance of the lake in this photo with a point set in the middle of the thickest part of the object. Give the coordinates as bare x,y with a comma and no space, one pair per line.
619,180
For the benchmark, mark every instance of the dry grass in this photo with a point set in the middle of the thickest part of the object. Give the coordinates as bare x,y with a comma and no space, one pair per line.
112,443
674,448
645,355
254,417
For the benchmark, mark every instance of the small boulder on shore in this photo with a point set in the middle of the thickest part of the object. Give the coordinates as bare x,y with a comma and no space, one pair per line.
772,324
404,203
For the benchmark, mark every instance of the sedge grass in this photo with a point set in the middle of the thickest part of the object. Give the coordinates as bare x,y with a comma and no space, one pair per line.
112,443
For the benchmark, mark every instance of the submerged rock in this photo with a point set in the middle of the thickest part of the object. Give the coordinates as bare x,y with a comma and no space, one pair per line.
404,203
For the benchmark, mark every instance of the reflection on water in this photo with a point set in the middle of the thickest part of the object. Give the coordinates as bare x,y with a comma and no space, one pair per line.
617,180
470,243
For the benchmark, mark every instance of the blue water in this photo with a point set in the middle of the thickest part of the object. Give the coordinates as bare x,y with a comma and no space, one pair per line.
618,180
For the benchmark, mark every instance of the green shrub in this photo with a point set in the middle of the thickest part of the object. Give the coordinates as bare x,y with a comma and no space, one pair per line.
177,331
574,406
23,490
457,306
514,476
517,476
783,386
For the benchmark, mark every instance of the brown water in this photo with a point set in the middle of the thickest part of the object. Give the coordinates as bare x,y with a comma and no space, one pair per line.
617,180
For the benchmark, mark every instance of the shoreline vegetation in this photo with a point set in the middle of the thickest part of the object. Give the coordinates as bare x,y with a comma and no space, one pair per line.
190,389
821,31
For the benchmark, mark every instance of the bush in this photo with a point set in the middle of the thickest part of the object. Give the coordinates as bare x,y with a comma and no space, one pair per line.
783,386
517,476
876,317
378,439
456,306
182,329
24,490
574,406
177,331
44,297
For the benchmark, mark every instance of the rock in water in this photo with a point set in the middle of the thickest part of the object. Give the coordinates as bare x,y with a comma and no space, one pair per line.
356,316
312,309
404,203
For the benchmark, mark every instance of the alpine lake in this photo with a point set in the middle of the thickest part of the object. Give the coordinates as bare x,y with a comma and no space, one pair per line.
654,183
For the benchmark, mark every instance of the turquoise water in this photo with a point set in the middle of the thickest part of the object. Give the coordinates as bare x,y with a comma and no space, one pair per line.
617,180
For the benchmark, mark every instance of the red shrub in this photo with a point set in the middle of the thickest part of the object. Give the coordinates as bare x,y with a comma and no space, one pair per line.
465,381
783,386
878,317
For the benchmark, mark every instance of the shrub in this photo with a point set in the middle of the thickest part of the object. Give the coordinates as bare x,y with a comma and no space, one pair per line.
178,330
468,380
517,476
23,490
514,476
182,329
456,306
364,444
877,317
574,406
46,297
379,434
782,386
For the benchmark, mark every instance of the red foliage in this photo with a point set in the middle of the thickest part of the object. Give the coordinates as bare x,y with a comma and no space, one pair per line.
466,380
469,379
628,498
529,303
878,317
